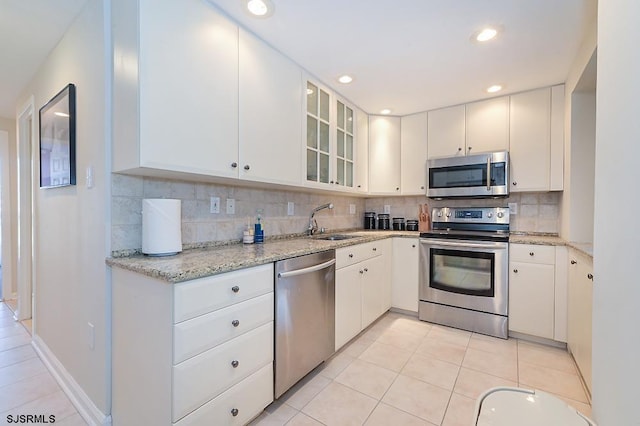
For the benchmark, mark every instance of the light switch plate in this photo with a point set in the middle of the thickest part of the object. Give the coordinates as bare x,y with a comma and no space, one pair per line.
215,205
352,209
290,208
387,209
513,208
231,206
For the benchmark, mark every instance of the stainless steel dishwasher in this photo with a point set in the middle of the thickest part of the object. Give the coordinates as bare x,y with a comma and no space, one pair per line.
304,316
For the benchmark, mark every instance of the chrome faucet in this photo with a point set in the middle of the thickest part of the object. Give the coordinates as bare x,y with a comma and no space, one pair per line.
313,225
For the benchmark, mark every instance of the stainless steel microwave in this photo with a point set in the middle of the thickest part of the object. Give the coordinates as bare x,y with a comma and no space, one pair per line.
471,176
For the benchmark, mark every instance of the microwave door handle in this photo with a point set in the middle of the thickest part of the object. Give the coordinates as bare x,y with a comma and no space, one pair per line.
489,173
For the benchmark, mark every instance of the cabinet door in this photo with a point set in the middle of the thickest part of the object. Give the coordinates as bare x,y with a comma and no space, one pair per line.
188,88
270,114
579,333
530,140
413,147
404,281
348,303
556,178
384,155
362,151
531,299
487,124
372,290
445,132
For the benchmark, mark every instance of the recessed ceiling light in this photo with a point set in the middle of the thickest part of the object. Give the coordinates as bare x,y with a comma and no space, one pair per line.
486,34
495,88
345,79
259,8
385,111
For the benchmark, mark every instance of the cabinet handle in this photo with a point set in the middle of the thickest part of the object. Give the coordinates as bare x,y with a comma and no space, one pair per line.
330,181
234,412
422,187
375,249
235,323
413,245
590,276
359,186
397,188
235,363
366,270
469,148
234,165
247,167
573,262
459,149
235,289
337,183
361,271
531,253
350,255
515,271
514,183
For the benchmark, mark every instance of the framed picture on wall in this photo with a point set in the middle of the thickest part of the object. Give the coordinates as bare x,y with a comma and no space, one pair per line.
58,140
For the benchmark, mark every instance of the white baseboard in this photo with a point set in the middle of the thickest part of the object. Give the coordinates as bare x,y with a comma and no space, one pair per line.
86,408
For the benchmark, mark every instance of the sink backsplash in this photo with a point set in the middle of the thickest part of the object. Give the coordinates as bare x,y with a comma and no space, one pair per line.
537,212
201,226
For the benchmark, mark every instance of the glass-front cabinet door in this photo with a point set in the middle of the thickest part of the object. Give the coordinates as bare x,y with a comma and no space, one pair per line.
318,134
330,138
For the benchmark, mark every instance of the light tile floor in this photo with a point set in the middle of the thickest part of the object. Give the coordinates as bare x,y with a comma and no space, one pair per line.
402,371
26,386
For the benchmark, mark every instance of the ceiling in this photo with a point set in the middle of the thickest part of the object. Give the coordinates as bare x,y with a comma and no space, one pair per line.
29,30
408,55
416,55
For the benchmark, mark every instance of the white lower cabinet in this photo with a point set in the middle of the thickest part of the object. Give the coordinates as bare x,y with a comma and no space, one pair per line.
580,312
197,352
363,288
532,290
404,274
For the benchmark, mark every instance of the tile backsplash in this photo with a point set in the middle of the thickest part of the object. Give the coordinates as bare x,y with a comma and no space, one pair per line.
199,226
537,212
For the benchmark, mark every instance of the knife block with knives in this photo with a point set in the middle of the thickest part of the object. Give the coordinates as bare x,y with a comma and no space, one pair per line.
424,218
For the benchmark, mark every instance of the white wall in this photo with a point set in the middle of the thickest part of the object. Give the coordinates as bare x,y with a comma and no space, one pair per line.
71,223
10,212
616,295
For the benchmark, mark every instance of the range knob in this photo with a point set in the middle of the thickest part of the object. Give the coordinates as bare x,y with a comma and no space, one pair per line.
449,214
500,215
439,214
489,215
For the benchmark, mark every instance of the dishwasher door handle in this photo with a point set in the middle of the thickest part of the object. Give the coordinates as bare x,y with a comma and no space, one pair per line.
307,270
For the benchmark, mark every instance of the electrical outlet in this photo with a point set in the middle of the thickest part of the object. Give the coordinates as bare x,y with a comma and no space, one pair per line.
352,209
387,209
91,335
513,208
215,205
231,206
290,208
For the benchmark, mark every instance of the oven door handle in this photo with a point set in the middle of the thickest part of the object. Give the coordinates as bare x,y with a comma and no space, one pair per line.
487,245
489,173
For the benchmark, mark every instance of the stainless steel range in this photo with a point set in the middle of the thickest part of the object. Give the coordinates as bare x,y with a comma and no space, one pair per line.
463,269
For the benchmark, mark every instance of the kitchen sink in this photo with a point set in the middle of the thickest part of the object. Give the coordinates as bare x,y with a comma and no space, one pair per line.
336,237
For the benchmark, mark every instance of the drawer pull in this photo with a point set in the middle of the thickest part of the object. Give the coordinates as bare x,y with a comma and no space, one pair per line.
531,253
361,271
573,262
413,245
234,165
235,323
375,249
590,276
234,412
235,289
366,269
350,255
515,271
235,363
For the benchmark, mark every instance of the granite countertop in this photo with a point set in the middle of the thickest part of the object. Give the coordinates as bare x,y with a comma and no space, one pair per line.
550,240
203,262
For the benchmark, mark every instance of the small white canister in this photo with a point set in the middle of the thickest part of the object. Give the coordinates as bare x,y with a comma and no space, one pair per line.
161,227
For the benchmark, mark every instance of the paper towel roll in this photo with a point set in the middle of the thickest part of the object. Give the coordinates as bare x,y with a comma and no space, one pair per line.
161,227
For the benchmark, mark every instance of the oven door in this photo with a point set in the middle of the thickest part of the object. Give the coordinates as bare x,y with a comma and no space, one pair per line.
465,274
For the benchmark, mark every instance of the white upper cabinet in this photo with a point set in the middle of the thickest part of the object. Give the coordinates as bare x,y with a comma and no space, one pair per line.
556,179
446,132
270,114
487,126
362,152
175,88
384,155
530,140
413,153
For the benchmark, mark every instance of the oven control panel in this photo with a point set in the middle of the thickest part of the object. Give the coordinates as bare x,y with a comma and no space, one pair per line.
488,215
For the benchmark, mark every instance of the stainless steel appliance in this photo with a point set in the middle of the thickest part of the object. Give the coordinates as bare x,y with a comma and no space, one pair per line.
304,316
463,269
481,175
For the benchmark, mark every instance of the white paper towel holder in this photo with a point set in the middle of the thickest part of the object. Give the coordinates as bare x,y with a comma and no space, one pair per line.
161,227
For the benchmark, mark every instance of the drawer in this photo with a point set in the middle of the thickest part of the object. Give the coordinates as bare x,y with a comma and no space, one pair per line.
203,377
204,295
249,398
353,254
199,334
532,253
